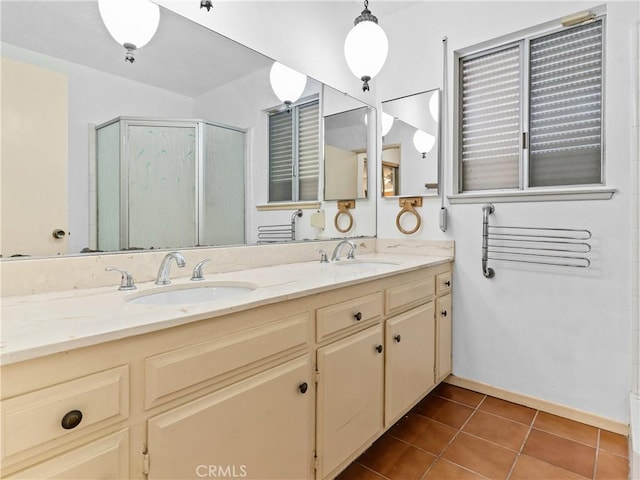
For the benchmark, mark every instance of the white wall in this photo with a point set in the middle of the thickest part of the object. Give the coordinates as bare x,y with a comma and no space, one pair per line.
96,97
562,335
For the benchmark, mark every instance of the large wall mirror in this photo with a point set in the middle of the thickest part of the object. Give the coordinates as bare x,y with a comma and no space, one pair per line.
410,145
67,76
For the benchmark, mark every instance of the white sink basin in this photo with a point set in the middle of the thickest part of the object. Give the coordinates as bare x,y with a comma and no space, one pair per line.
192,294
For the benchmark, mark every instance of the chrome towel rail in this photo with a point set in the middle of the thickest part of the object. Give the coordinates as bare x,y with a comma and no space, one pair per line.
563,247
279,233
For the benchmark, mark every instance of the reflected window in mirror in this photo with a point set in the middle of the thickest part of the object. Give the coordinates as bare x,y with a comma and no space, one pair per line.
410,161
294,139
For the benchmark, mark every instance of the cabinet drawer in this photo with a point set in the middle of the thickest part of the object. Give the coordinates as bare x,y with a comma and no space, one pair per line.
178,369
343,315
443,282
37,417
106,458
407,295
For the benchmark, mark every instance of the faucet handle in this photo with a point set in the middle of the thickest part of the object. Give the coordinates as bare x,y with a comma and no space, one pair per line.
352,251
197,270
127,282
323,256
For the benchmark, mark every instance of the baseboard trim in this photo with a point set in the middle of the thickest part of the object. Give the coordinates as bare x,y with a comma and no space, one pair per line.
543,405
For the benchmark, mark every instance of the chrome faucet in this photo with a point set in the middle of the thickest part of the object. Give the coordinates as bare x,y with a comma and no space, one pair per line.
350,255
197,270
126,282
165,267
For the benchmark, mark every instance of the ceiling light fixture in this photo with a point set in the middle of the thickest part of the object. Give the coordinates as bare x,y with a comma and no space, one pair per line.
287,83
423,142
131,23
206,4
366,47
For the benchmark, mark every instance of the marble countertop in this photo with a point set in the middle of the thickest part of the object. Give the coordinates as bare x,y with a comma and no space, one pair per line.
48,323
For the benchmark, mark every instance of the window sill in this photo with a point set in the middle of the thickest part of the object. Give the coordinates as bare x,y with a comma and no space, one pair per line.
287,206
534,195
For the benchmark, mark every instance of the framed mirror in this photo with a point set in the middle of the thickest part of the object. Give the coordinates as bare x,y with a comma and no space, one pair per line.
185,73
410,160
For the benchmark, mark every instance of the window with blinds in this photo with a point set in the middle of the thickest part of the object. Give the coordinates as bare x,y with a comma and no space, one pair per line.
294,153
491,120
547,134
565,98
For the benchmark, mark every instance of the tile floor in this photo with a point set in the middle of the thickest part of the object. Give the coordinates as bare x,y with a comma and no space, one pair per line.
460,434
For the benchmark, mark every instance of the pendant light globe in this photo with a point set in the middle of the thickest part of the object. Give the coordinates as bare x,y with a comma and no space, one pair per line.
131,23
366,47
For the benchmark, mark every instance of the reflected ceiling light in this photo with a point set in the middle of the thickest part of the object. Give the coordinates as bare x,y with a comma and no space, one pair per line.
131,23
287,83
206,4
366,47
387,123
423,142
434,105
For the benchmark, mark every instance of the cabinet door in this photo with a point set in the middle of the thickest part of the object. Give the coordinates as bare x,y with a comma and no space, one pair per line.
260,427
107,458
443,332
350,396
409,359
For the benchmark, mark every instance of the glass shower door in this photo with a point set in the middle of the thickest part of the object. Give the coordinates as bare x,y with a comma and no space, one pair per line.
161,192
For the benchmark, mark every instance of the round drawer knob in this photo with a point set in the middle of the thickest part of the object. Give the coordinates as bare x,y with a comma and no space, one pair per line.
443,313
447,283
71,419
358,316
303,387
397,338
379,349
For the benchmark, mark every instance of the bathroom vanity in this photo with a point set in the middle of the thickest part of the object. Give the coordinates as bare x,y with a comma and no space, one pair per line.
293,379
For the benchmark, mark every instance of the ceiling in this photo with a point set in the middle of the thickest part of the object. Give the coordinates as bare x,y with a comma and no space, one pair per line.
182,57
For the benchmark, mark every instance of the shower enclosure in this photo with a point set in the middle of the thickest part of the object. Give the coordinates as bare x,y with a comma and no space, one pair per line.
169,184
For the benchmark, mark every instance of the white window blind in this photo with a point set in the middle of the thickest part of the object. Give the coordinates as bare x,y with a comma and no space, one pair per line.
491,121
531,112
308,151
294,153
566,107
281,153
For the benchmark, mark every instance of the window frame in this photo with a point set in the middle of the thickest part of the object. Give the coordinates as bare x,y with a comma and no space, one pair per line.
295,175
524,192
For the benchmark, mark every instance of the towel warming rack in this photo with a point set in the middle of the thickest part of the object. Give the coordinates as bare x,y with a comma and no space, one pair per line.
279,233
563,247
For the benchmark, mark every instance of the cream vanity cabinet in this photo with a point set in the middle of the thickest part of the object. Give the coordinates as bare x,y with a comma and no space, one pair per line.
350,377
378,355
295,389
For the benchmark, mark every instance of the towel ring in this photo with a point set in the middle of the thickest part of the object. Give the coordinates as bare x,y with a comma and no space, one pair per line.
343,209
407,205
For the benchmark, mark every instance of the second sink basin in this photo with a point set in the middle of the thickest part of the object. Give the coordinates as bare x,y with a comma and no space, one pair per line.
192,294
